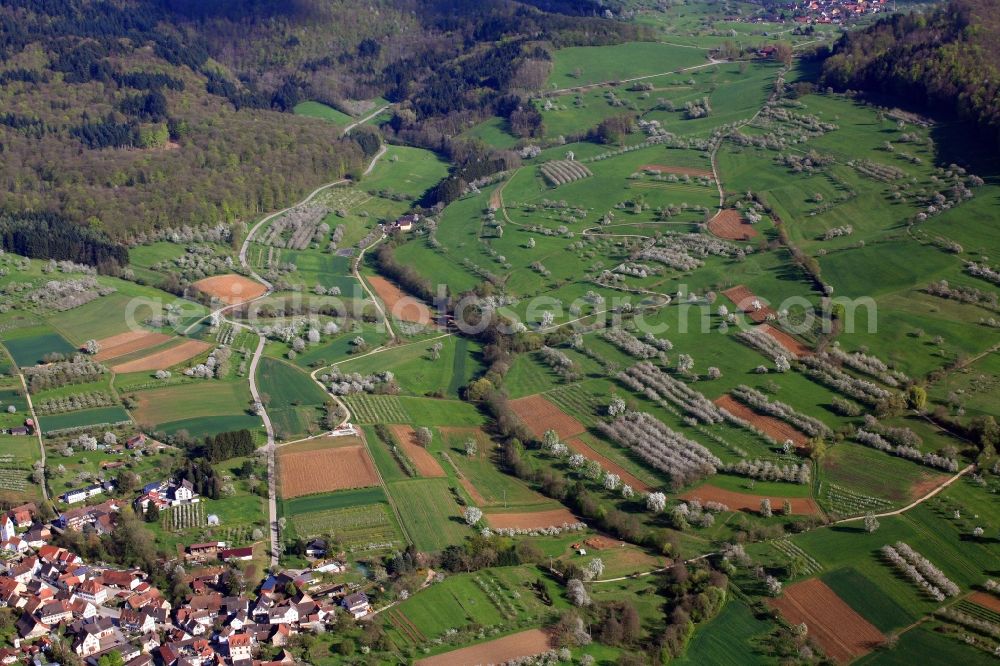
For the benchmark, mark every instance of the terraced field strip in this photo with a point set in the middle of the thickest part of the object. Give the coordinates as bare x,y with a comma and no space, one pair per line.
982,605
407,627
729,224
785,340
164,359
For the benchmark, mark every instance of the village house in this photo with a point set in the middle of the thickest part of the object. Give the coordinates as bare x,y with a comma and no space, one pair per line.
23,515
93,636
356,604
205,551
92,591
100,516
240,647
164,494
244,554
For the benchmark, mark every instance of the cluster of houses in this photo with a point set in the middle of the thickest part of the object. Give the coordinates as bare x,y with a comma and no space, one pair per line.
97,610
819,11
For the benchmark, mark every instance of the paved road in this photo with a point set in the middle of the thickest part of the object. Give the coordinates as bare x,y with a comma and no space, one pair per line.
38,431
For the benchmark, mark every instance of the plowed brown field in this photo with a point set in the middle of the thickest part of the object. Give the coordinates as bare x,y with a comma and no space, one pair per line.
425,462
775,428
399,305
744,298
499,651
729,224
531,520
985,600
737,501
785,340
126,343
164,359
231,288
840,631
540,415
325,470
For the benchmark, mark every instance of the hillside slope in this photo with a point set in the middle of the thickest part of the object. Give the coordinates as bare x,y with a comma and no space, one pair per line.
947,60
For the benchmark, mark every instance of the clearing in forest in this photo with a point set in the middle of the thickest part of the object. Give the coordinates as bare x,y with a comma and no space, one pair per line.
840,631
231,289
540,415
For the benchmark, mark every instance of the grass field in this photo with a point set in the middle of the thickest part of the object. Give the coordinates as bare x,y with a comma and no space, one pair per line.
608,63
207,398
331,501
83,417
203,426
418,372
322,111
729,639
27,346
430,512
353,527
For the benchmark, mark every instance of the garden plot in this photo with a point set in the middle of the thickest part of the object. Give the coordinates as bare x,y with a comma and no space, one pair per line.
325,470
842,633
377,409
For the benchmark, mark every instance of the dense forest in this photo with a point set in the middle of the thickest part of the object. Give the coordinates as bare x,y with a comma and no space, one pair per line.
127,115
947,61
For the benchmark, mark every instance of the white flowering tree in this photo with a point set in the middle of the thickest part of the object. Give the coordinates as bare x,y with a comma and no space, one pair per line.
656,502
472,515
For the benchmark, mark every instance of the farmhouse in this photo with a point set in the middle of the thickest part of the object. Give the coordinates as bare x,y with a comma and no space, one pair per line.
204,551
356,604
404,223
231,554
164,494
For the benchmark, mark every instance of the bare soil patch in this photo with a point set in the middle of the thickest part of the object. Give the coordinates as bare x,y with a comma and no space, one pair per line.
840,631
985,600
729,224
540,415
531,520
325,470
925,484
775,428
522,644
600,542
425,463
128,342
737,501
581,447
785,340
399,305
165,358
680,171
231,289
744,300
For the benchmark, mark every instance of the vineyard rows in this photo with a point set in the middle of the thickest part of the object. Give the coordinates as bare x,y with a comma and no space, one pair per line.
846,502
352,526
377,409
187,516
574,400
13,479
561,172
791,551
